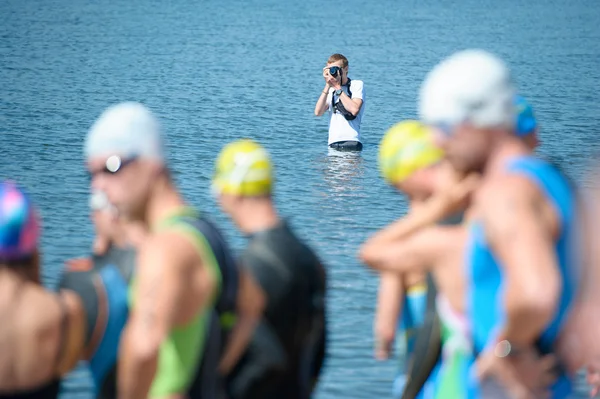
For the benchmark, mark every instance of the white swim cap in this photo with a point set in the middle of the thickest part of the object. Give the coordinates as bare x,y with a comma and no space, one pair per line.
470,86
127,129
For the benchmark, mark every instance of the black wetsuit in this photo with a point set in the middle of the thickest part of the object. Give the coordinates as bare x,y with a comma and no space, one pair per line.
123,258
287,351
103,291
48,391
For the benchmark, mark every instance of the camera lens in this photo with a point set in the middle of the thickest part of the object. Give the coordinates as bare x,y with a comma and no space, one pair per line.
334,70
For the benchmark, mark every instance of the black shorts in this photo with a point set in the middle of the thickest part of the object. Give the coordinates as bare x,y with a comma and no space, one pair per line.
347,146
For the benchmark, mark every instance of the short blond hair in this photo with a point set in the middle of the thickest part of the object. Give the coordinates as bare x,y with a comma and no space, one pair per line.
338,57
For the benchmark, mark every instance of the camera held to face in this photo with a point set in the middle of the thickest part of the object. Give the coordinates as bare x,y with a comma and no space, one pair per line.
335,71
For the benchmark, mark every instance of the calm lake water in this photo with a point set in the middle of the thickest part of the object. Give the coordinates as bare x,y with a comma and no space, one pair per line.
215,71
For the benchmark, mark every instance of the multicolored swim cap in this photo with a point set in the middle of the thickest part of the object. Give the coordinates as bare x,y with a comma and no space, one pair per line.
19,224
406,148
243,168
526,123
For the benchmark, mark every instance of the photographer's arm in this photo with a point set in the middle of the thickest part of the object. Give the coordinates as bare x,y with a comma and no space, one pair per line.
321,105
352,105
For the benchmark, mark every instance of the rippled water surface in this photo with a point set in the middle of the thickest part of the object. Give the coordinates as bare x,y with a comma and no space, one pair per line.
215,71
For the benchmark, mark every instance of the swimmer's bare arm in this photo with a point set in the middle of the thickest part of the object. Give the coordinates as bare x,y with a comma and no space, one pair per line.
250,305
441,205
403,236
75,331
578,346
580,338
521,236
590,225
414,253
164,267
374,248
389,298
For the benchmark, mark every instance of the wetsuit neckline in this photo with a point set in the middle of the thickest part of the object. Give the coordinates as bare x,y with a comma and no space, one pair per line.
281,223
179,213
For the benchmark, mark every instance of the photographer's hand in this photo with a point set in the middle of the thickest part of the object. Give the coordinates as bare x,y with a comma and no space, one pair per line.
336,83
321,105
326,76
332,81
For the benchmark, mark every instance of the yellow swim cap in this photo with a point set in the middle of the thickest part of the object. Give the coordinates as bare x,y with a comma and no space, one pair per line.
405,148
243,168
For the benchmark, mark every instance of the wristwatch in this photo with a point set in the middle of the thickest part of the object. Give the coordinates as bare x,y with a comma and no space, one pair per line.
339,92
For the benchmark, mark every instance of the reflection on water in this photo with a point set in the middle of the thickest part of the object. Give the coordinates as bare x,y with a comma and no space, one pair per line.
343,171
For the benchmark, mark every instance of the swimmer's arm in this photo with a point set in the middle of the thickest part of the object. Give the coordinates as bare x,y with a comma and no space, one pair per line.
415,253
250,305
524,245
589,217
432,211
370,252
74,333
389,299
162,266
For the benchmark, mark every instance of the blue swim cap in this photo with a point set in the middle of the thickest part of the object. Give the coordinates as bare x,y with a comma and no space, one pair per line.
526,122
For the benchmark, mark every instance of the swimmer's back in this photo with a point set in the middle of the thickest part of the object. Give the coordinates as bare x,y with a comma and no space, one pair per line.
33,337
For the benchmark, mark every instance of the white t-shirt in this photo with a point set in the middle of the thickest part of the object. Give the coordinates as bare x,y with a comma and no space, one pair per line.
341,129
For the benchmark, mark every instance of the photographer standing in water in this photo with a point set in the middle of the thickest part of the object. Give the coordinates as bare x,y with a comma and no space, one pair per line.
344,99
